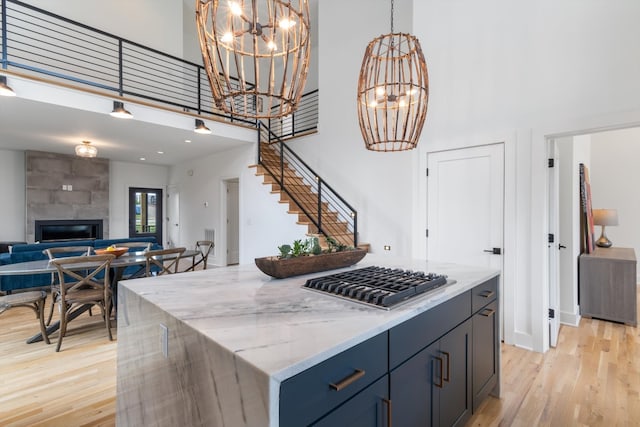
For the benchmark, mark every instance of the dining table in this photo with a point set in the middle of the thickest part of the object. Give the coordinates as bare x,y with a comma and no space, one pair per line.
118,265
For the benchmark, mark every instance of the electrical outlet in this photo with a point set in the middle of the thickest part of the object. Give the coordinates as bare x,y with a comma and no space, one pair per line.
164,340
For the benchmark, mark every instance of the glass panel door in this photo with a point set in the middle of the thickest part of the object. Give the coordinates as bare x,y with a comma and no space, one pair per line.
145,213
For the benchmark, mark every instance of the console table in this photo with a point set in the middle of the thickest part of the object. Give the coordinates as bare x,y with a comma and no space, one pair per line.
608,285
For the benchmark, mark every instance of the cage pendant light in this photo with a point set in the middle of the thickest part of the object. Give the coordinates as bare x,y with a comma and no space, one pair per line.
393,92
256,54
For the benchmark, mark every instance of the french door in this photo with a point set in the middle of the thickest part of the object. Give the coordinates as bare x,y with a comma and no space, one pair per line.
145,213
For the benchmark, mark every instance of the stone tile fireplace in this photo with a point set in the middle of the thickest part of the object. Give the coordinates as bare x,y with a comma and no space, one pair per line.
68,189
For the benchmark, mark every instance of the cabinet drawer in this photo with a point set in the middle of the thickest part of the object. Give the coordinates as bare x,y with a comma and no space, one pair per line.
483,294
366,409
309,395
410,337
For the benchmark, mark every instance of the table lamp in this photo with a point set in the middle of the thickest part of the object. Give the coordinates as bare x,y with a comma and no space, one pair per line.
604,217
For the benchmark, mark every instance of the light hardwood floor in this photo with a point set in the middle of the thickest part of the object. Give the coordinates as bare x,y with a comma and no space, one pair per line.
591,379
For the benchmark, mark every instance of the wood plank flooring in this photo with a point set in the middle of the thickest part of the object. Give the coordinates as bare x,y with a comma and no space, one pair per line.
591,379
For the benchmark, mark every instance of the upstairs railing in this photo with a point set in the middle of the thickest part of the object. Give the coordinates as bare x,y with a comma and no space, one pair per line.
324,194
303,121
45,43
42,42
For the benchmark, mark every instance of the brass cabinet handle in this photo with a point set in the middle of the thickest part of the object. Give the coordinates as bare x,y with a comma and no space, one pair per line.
487,312
487,294
359,373
439,385
389,409
446,378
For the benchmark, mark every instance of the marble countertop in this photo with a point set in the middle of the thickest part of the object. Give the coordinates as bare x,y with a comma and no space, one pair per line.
275,324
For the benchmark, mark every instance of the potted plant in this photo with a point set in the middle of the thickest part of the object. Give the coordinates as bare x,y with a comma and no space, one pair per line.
306,256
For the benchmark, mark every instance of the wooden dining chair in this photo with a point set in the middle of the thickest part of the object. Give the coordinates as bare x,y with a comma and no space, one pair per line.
204,247
84,280
60,252
33,300
163,261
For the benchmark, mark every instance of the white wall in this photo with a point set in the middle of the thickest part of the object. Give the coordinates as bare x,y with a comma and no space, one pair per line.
377,185
152,23
614,179
264,223
529,70
122,176
12,196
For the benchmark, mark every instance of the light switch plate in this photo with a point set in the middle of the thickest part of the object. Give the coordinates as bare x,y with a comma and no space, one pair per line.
164,340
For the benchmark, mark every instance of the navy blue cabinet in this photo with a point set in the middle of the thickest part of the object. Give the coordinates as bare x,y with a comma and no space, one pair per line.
431,370
433,388
312,394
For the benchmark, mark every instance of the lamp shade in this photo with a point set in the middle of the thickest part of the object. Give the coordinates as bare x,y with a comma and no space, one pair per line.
393,91
605,217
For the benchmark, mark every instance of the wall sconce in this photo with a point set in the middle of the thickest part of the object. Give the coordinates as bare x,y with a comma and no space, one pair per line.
604,217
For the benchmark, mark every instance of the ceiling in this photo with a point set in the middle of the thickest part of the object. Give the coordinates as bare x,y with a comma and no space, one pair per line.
31,125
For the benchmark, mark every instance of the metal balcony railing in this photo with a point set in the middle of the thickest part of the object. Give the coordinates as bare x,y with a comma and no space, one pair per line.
43,43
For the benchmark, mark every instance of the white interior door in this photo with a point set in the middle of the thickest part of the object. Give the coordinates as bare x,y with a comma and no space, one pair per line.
173,216
465,207
554,245
233,229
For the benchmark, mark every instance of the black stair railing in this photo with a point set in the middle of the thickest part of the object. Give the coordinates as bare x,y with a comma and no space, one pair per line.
326,201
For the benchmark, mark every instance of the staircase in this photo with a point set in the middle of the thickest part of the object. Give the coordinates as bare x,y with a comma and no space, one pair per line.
314,202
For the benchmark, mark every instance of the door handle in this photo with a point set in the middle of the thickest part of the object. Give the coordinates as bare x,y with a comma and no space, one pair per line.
494,251
389,411
561,246
447,378
439,385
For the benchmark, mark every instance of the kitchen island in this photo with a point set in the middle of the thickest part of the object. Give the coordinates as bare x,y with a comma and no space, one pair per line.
233,347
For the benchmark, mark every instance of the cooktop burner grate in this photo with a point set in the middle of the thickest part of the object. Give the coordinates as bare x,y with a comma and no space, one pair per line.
378,286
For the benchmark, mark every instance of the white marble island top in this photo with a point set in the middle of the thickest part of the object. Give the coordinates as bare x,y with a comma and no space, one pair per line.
277,326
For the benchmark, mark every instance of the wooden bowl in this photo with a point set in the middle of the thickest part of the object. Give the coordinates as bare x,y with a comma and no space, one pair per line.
115,251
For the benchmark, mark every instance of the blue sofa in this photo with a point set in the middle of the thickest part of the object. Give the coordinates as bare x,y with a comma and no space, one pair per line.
34,251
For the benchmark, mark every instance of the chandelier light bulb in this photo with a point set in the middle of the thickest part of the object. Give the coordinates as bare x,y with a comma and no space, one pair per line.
286,23
235,8
227,37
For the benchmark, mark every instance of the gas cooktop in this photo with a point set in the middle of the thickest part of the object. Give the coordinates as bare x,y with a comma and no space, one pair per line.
377,286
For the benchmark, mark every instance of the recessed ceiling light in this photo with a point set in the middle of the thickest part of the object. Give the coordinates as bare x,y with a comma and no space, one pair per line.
143,158
160,152
188,141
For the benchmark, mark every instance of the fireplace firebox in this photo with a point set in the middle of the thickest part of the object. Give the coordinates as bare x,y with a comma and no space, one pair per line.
67,229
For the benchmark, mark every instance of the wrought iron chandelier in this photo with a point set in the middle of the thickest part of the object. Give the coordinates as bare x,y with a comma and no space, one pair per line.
393,91
256,53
